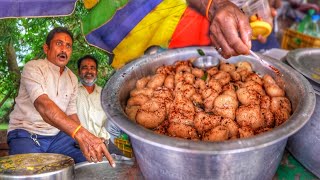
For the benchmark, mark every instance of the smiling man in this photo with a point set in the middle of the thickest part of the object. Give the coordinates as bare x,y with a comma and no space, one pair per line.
44,119
89,108
90,111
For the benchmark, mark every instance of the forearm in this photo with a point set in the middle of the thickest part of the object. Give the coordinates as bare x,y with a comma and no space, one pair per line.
91,146
199,5
202,5
53,115
75,118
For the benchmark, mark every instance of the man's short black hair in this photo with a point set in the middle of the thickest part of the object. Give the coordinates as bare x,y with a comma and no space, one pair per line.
57,30
87,57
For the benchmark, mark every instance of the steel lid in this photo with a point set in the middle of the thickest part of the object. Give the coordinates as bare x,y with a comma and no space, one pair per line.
307,62
36,166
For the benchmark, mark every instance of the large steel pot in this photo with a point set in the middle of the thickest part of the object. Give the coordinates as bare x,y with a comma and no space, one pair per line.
162,157
305,144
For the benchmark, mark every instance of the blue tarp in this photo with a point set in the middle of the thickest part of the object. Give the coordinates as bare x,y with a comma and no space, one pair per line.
35,8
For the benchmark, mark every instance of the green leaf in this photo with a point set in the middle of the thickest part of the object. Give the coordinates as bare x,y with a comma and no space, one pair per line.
205,76
201,53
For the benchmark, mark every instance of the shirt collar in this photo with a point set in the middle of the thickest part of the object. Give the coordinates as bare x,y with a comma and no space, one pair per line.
55,67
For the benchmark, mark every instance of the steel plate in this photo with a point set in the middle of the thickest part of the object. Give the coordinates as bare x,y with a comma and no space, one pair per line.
125,169
307,62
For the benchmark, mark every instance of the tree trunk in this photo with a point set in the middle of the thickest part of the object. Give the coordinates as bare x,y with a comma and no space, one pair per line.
13,68
12,59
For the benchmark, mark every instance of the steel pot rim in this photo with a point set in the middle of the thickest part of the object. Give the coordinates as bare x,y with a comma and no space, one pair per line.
115,113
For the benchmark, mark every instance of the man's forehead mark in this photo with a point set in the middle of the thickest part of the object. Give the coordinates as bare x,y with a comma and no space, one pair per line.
85,65
64,37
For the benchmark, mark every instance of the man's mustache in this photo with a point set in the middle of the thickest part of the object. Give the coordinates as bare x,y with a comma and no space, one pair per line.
62,54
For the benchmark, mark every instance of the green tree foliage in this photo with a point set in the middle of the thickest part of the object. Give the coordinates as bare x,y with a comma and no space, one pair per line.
26,37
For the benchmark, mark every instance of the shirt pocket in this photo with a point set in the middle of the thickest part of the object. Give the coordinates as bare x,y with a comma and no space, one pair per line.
64,97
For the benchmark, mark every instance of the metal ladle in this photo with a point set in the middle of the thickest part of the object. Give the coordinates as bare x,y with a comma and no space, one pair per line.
202,62
207,62
257,57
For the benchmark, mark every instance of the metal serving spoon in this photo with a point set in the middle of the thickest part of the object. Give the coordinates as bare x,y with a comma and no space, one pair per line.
205,62
257,57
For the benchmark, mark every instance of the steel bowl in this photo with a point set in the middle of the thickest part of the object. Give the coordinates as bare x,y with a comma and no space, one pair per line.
305,144
163,157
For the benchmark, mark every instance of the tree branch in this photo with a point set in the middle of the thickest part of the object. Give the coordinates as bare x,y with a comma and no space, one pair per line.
5,98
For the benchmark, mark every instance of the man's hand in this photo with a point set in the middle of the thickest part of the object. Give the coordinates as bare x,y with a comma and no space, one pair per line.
229,29
92,147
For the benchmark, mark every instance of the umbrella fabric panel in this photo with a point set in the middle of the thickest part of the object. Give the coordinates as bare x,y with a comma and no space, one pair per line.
35,8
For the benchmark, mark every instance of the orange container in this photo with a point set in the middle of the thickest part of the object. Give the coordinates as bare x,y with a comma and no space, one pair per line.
292,40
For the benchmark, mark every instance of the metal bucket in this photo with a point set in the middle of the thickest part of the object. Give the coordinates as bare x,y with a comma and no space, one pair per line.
305,144
163,157
37,166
